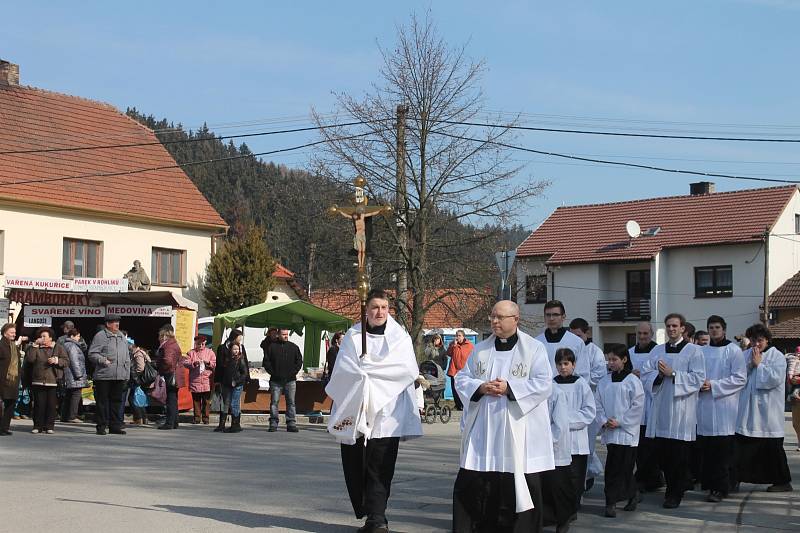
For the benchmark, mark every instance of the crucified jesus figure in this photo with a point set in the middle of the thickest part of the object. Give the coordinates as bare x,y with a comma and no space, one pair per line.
359,215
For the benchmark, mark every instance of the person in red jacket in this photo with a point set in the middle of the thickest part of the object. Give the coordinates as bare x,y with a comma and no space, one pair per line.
458,352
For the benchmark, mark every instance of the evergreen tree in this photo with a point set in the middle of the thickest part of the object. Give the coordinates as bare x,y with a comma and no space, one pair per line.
240,273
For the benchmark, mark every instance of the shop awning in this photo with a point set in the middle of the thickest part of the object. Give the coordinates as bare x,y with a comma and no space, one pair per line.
299,316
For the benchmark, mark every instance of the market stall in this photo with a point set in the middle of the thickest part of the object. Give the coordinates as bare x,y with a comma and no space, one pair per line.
41,302
302,318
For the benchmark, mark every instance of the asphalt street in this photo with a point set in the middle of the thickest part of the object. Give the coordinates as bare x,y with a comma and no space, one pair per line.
195,480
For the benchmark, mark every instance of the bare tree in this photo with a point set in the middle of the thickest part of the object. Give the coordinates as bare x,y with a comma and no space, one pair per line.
456,174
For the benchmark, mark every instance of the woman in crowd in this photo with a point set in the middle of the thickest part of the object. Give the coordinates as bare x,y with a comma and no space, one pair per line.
9,374
232,377
139,357
44,368
620,410
167,361
201,361
330,355
759,425
224,351
436,352
75,377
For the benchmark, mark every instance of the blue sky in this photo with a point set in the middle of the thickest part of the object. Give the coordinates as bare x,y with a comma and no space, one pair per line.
724,67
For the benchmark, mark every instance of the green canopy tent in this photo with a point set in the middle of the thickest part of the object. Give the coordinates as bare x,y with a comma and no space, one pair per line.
301,317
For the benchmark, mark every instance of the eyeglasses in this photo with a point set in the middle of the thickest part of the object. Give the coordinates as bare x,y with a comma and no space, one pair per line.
500,317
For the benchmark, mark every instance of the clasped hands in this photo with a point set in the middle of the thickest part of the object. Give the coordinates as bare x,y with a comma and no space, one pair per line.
496,387
664,369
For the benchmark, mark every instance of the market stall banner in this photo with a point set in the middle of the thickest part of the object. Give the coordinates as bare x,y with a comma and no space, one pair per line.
16,282
47,298
100,285
74,285
42,315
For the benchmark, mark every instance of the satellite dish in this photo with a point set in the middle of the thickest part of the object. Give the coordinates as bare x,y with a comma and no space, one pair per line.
633,229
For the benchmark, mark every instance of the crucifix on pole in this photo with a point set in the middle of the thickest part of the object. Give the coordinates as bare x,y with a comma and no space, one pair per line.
358,213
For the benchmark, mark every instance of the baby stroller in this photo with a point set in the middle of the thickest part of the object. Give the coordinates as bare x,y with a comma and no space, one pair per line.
434,393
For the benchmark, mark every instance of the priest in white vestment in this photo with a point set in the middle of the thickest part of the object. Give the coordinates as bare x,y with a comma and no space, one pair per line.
717,406
674,373
506,440
374,407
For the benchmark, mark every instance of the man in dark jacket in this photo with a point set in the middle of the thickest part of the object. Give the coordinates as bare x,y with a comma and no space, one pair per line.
282,361
112,370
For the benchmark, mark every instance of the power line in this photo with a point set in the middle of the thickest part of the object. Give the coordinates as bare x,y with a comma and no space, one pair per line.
180,141
181,165
619,134
617,163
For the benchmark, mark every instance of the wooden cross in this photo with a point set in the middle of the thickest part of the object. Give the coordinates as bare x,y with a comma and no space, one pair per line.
358,213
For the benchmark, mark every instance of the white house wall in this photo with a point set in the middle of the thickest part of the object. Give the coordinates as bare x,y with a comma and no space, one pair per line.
33,244
676,292
784,246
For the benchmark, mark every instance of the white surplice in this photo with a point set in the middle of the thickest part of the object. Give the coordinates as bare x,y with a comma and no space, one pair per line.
573,342
717,408
374,396
559,407
674,409
624,402
501,434
639,360
580,400
598,367
761,402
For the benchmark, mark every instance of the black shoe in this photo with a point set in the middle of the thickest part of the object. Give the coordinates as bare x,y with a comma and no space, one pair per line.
783,487
632,503
292,429
219,429
563,528
273,429
670,504
714,496
165,426
5,433
374,528
610,512
118,432
101,431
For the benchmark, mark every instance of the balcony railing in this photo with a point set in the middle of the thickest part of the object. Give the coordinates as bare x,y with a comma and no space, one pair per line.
631,310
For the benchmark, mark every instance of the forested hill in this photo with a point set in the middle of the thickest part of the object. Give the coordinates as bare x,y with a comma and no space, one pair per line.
291,204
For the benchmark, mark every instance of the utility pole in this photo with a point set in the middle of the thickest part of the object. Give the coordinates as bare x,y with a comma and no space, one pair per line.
766,277
312,251
401,210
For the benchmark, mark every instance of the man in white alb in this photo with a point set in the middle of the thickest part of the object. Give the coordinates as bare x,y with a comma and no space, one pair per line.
674,373
506,439
556,336
374,407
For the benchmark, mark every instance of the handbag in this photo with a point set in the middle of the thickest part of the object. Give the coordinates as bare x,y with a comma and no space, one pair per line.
159,391
139,398
147,376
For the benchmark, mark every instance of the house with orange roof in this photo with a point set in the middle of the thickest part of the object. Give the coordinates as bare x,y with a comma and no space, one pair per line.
704,253
85,191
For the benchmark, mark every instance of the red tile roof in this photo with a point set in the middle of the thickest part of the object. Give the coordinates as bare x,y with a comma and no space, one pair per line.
457,309
34,119
596,233
788,329
281,272
787,295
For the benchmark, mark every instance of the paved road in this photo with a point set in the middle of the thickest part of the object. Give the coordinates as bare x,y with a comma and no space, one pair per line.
196,480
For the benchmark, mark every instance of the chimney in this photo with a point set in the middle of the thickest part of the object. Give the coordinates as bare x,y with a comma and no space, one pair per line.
9,73
701,187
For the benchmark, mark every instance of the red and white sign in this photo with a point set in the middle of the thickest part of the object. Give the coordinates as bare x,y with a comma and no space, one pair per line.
47,298
100,285
15,282
139,310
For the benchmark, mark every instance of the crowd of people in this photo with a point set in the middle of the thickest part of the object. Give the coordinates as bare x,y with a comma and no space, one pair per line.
695,412
45,377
